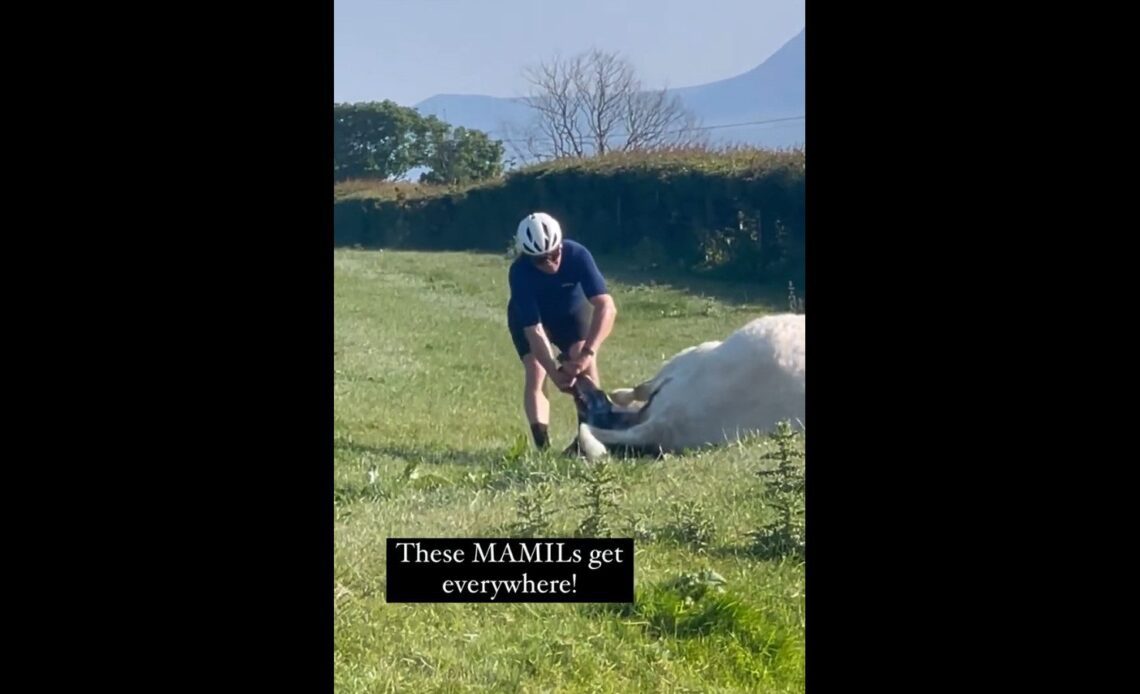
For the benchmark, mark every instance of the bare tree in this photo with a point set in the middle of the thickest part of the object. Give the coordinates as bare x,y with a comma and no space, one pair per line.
594,103
527,144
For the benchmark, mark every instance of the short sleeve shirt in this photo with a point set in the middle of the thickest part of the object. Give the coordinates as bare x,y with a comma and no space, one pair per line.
538,297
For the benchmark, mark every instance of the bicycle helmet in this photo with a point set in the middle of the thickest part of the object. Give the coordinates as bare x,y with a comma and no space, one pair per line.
539,234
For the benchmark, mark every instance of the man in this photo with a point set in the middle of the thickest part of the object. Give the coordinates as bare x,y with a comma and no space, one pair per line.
557,295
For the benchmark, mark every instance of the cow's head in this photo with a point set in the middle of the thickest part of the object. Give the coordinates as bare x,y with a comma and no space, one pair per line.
627,409
598,409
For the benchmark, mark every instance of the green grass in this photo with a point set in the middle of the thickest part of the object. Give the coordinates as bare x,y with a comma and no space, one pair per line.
428,425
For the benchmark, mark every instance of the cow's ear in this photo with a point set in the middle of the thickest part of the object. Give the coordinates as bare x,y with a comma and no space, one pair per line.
647,390
623,396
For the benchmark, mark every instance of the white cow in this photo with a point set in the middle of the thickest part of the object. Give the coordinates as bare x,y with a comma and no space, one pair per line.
714,392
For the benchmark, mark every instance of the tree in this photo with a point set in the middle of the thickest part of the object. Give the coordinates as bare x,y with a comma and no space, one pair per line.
385,140
461,156
379,139
594,103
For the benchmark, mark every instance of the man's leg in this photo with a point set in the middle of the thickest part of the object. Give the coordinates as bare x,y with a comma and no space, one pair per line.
573,335
574,350
535,403
578,328
536,406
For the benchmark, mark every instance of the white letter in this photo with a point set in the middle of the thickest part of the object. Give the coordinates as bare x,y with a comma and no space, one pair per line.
405,545
481,555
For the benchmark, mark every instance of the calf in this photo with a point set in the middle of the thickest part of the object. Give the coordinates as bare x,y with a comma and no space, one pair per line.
712,393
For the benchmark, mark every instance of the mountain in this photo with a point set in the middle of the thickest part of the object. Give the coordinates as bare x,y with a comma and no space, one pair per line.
487,113
772,90
776,86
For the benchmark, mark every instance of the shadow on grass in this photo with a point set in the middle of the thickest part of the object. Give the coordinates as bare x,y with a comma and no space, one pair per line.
434,455
491,458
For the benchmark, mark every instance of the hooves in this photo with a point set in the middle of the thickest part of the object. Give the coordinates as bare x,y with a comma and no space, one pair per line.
586,446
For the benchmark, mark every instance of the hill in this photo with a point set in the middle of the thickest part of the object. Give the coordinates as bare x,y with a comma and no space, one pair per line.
771,91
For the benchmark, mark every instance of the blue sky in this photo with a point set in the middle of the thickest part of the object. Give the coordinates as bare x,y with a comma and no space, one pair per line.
409,50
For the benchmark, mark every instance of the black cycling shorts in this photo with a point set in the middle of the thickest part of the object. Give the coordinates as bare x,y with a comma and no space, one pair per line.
562,332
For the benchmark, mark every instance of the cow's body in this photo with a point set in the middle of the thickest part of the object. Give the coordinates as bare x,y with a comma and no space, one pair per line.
715,392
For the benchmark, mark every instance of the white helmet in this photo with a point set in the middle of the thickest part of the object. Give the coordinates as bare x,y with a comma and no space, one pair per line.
539,233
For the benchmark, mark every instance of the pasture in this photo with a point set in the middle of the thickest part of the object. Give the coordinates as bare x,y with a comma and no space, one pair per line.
431,441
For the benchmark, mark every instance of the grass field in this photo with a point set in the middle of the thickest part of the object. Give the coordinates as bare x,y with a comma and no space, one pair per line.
431,441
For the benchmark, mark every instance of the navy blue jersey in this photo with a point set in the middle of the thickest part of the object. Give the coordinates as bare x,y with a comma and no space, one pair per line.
538,297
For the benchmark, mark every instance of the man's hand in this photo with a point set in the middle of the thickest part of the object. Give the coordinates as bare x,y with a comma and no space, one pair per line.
579,365
563,379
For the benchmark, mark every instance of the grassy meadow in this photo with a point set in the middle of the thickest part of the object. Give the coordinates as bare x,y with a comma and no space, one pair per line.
431,441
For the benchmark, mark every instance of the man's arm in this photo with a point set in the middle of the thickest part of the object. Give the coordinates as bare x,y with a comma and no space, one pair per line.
605,311
540,347
600,326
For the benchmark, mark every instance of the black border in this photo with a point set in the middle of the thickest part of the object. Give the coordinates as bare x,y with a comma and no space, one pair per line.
217,443
902,338
223,540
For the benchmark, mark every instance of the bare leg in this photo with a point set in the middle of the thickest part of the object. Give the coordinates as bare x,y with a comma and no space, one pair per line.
574,449
535,403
